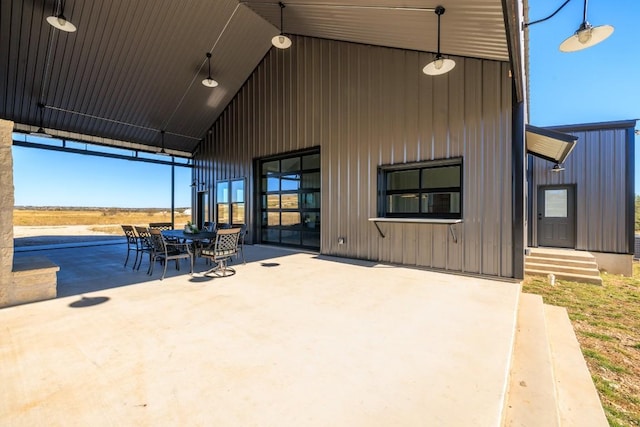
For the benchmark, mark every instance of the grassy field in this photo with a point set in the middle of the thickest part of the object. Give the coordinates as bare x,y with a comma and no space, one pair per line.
607,323
101,219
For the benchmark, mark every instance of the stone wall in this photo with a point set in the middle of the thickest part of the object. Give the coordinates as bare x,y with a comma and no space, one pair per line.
6,210
29,279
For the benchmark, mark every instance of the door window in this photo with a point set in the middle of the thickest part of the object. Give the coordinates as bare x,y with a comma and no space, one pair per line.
555,203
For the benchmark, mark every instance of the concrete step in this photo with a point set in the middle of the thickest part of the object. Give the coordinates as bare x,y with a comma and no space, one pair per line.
578,401
531,397
561,254
564,264
582,278
582,262
587,271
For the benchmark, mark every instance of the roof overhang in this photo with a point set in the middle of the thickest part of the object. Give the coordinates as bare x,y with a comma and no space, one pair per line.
549,144
132,71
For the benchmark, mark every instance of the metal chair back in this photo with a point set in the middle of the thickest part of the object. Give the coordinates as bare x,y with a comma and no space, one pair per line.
144,243
167,251
224,247
132,243
160,226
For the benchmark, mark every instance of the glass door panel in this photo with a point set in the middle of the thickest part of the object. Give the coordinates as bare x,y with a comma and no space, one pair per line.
290,200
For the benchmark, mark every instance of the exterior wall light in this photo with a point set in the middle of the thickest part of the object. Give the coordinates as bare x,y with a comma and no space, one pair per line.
586,36
440,65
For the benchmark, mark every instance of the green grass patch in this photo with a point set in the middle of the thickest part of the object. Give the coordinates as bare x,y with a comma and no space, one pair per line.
596,335
603,362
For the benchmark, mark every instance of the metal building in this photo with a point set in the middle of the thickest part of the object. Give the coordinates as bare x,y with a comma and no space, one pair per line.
340,143
362,108
588,204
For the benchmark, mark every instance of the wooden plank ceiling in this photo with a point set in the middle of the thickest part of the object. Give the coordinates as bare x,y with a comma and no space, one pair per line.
134,68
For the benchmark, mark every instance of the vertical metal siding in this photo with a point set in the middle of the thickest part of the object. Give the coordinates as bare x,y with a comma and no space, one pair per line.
597,166
368,106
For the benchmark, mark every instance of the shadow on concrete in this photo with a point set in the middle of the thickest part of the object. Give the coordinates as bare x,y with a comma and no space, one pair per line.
88,301
31,243
349,261
87,267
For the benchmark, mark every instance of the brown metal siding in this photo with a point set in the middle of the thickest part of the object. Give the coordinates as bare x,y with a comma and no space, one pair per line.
597,166
368,106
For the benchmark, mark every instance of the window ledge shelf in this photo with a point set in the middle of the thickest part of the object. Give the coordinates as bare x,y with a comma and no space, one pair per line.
449,222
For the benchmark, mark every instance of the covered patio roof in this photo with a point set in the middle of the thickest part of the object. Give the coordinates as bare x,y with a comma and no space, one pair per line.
134,69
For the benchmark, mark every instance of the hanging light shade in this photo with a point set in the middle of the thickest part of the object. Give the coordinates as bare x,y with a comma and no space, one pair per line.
41,132
281,41
59,21
440,65
209,82
586,36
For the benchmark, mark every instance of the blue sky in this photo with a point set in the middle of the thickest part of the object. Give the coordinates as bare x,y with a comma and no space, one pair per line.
593,85
598,84
51,178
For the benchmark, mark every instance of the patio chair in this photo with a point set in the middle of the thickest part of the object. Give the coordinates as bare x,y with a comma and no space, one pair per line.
224,247
160,226
165,251
163,226
144,244
132,243
243,234
199,245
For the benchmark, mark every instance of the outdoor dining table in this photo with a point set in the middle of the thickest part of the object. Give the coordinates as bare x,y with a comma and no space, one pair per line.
195,238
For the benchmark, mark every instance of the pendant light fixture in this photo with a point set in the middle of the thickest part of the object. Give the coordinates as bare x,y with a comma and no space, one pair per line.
439,65
281,41
41,132
59,21
586,36
209,82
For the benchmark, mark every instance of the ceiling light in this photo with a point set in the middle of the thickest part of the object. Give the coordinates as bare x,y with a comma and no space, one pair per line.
59,21
209,82
281,41
586,36
40,132
440,65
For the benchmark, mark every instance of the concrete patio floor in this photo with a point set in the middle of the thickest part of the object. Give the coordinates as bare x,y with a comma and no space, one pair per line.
293,339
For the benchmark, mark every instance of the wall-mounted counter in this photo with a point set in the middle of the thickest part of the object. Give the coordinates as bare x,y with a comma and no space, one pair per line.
449,222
